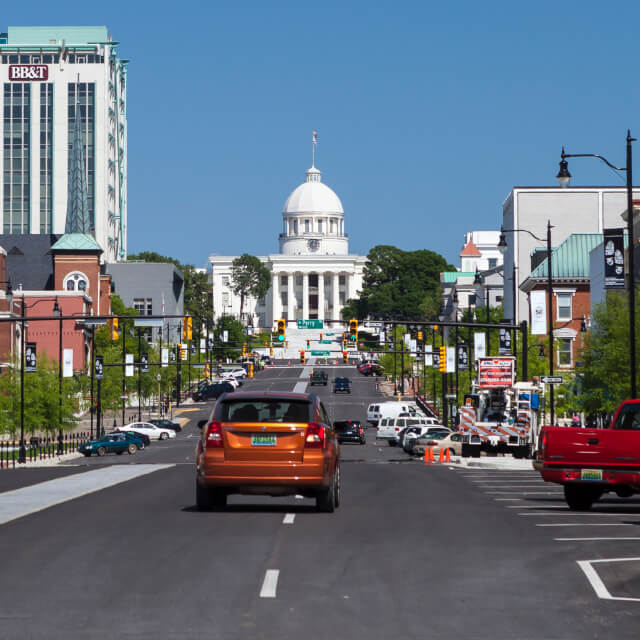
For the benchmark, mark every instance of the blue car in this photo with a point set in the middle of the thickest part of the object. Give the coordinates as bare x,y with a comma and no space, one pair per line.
112,443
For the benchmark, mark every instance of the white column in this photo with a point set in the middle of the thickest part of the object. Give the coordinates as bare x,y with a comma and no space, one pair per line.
291,297
321,296
335,287
275,297
305,296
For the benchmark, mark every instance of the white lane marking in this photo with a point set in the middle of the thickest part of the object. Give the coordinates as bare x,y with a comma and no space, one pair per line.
27,500
595,539
299,497
508,483
537,506
594,579
507,499
270,583
576,514
289,518
525,493
586,524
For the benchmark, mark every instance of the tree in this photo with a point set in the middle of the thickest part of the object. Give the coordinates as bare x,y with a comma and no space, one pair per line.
399,283
249,277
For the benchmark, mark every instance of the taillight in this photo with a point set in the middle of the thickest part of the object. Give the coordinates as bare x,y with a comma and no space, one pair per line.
214,436
315,436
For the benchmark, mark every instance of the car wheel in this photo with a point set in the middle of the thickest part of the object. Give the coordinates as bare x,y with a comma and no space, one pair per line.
164,436
391,443
119,453
88,454
132,449
580,498
326,499
204,498
363,441
101,451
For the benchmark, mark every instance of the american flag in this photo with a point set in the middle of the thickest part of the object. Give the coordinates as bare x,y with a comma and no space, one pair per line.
315,137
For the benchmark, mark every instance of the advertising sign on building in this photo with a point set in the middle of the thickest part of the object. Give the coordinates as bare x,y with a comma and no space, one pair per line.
538,301
28,72
614,259
496,372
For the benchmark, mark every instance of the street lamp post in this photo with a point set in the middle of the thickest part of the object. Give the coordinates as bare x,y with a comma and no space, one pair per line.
479,279
502,245
22,453
57,311
564,177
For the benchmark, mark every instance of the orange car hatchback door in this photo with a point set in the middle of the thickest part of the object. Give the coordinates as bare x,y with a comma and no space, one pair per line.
268,431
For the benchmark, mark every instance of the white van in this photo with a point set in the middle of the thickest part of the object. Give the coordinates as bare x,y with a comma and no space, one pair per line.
394,409
389,428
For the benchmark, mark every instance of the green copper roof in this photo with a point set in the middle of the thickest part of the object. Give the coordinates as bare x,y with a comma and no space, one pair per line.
76,242
452,276
571,258
44,35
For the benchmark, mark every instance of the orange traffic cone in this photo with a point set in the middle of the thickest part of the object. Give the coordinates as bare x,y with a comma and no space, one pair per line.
428,454
448,456
441,456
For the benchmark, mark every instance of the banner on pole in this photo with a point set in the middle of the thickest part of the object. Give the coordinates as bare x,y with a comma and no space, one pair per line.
128,370
435,359
428,355
538,300
99,368
463,357
451,359
30,357
479,345
504,347
613,258
67,363
144,363
165,357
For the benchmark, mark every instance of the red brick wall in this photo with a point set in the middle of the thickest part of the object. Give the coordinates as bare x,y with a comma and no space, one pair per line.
88,264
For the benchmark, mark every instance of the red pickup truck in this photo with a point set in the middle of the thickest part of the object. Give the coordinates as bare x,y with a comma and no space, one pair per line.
591,462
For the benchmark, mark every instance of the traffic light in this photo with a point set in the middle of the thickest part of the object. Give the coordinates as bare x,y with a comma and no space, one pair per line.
115,334
302,356
419,336
345,357
308,343
244,349
207,371
187,328
442,367
271,351
282,325
353,330
344,340
183,351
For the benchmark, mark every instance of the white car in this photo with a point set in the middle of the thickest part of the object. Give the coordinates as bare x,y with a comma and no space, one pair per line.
235,373
148,429
417,432
232,380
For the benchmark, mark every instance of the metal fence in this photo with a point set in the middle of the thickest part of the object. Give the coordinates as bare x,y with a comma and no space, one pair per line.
39,448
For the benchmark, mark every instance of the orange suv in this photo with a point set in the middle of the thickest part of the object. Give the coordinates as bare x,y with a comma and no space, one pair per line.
265,443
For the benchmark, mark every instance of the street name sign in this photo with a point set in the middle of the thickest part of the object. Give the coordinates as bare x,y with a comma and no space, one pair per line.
552,379
310,324
321,354
325,341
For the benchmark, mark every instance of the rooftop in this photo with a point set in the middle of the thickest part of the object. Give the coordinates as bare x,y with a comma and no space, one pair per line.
571,258
54,35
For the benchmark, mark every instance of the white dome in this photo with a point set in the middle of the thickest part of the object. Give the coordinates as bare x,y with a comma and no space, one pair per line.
313,196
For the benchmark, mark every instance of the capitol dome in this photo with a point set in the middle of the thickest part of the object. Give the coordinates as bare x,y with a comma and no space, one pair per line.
313,196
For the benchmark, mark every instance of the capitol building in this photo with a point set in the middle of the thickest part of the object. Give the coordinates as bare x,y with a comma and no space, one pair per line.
313,275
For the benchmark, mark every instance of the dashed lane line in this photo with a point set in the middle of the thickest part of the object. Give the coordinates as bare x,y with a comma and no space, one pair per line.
586,524
270,583
593,539
289,518
27,500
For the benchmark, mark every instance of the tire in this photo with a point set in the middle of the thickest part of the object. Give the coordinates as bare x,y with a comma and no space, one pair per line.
580,498
87,455
119,453
363,441
132,449
164,436
391,443
101,451
204,498
328,499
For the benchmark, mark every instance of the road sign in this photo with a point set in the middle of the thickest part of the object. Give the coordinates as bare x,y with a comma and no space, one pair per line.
320,354
450,396
552,379
373,325
310,324
325,341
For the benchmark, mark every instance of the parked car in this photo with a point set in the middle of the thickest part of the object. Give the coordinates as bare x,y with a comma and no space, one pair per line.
431,438
319,377
139,439
342,385
268,443
415,425
452,442
373,414
416,432
110,443
349,431
148,429
389,429
213,390
166,424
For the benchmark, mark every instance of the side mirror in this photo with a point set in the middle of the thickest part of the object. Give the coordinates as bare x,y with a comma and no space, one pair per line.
201,423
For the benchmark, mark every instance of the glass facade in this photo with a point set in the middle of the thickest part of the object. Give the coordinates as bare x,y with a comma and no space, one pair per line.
16,176
81,97
46,158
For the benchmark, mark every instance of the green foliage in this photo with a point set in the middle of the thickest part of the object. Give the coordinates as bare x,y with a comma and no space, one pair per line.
400,283
249,277
235,334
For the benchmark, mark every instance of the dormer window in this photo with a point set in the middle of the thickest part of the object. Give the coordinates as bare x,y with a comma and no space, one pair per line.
75,281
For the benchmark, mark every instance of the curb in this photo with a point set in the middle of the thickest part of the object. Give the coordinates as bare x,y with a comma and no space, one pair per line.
45,462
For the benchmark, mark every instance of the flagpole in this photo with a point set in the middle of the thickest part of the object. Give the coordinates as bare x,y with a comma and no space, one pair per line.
313,149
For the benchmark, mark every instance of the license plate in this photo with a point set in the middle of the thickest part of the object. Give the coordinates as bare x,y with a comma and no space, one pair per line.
591,474
263,440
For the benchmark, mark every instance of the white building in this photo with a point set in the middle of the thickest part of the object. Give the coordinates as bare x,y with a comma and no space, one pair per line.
570,210
313,275
48,75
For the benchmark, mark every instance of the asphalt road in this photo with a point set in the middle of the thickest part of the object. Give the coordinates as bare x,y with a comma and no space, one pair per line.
414,551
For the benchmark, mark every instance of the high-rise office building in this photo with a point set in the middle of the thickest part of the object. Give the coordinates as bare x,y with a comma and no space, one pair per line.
51,76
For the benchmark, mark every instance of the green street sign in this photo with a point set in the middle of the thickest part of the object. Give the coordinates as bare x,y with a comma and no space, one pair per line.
325,341
329,334
321,354
310,324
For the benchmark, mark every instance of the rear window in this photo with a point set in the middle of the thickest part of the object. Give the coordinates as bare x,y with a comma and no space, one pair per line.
345,425
265,411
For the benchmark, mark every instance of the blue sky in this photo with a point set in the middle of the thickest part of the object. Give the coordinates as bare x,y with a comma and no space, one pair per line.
427,113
